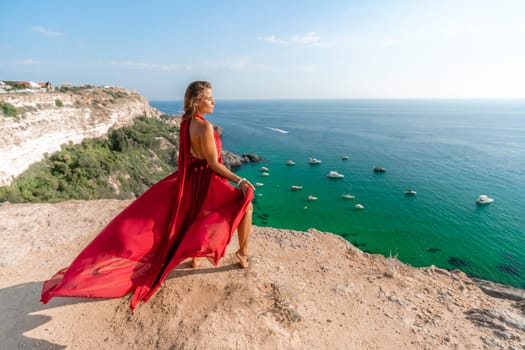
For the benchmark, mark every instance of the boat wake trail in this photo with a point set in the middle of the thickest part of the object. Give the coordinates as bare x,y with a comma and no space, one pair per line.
281,131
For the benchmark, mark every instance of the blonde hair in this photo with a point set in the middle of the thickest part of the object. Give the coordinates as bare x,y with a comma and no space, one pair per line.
192,95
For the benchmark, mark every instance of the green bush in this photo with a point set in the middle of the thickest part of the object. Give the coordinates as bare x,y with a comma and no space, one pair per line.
8,109
129,158
15,85
59,103
73,89
115,94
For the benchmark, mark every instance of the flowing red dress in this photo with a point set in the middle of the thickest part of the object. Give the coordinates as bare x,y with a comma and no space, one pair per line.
191,213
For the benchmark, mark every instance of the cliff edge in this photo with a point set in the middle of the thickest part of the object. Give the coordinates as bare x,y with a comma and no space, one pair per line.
303,290
46,120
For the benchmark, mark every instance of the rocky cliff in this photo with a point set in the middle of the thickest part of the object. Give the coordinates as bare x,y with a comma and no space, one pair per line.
47,120
303,290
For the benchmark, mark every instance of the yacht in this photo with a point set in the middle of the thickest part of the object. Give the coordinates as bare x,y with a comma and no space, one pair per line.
334,175
264,173
312,160
263,168
348,196
484,199
345,157
359,206
410,192
297,187
379,169
258,184
290,162
312,198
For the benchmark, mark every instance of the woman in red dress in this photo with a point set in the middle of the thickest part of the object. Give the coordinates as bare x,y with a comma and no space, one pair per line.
192,213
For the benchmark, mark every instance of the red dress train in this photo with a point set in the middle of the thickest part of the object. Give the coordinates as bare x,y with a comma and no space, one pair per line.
191,213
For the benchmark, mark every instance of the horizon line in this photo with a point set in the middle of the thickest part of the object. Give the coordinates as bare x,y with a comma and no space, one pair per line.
355,99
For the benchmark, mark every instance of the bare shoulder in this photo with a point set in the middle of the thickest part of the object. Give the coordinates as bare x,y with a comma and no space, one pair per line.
201,127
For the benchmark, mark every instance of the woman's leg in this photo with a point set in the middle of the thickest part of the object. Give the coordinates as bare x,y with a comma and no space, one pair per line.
195,262
243,232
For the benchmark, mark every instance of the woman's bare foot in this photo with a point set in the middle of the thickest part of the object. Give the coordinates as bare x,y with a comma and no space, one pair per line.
195,263
243,259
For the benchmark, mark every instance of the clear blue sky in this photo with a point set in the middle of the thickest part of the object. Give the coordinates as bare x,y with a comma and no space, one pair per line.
271,49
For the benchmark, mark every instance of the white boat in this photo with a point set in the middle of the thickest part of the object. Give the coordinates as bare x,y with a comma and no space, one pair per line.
359,206
297,187
312,160
263,168
312,198
484,199
290,162
264,173
379,169
334,175
258,184
345,157
410,192
348,196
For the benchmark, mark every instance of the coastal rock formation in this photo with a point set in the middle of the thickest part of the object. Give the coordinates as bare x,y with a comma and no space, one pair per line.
500,290
251,157
303,290
231,160
47,120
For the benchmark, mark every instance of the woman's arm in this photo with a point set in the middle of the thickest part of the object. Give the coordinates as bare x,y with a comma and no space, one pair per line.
206,144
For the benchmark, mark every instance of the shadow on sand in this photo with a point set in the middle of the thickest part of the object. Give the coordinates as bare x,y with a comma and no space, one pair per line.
185,269
18,304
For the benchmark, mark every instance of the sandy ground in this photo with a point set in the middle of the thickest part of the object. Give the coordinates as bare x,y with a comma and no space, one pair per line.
303,290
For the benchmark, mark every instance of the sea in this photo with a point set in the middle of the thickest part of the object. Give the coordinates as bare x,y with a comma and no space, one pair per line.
448,151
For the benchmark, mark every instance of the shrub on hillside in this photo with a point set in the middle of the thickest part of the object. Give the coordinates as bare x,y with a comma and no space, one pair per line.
121,166
15,85
8,109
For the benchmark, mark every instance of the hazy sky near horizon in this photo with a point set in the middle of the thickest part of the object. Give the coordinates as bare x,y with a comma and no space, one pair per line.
271,49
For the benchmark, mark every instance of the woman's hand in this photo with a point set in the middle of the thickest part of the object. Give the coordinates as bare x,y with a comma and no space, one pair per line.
244,185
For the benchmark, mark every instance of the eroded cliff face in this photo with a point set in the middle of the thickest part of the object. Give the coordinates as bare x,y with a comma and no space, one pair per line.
47,120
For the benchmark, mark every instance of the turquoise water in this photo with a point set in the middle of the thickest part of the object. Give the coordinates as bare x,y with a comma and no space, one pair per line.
449,151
